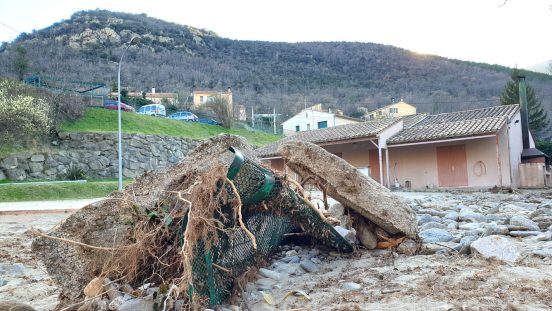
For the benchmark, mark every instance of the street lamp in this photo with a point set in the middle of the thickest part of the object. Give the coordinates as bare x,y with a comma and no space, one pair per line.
132,41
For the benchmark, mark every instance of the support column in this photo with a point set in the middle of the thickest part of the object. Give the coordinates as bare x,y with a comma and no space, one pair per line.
387,167
499,165
380,166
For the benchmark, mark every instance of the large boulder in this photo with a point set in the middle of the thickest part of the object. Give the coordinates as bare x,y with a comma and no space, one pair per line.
496,247
350,187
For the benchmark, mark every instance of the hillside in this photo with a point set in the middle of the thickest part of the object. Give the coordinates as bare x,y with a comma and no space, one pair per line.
177,58
104,120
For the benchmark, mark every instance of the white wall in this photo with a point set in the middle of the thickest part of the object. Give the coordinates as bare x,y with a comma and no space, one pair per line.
515,142
312,117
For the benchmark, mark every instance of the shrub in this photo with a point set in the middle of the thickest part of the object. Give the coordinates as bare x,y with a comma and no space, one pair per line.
67,107
22,116
75,173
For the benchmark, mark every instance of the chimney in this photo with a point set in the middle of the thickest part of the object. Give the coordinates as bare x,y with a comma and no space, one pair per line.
152,90
523,112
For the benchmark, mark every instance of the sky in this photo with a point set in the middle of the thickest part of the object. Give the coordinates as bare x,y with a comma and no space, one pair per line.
512,33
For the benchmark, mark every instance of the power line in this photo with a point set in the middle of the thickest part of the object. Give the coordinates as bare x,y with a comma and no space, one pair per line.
11,28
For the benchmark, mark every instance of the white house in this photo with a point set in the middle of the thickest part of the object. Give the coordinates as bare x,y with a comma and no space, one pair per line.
313,118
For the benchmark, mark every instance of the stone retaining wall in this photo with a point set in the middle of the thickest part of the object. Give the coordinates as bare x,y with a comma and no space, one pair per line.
96,154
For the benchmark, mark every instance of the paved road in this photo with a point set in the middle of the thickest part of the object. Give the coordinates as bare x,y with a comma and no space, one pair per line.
35,206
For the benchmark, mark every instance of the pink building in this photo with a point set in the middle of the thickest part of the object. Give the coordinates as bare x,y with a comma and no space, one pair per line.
478,148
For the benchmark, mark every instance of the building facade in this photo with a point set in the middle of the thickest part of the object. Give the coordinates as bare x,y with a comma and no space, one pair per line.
313,118
399,109
478,148
201,97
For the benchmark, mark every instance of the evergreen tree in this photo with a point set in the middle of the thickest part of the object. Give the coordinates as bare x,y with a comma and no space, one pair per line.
21,63
538,118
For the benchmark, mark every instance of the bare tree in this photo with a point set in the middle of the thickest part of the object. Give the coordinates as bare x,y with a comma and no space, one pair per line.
223,109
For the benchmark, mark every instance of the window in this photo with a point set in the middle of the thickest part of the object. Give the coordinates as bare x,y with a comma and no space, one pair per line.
201,99
322,124
308,126
393,110
380,113
371,117
297,128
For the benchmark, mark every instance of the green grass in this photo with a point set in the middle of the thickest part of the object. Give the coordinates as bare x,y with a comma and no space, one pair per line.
103,120
62,191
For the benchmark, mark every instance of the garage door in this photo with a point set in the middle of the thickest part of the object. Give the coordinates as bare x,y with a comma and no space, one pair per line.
452,166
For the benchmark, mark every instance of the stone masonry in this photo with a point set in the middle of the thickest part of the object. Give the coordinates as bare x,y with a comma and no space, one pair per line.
96,154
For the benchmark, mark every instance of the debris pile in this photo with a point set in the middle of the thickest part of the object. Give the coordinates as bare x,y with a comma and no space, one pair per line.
194,234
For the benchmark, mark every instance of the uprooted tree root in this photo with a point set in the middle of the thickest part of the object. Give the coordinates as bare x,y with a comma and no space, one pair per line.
164,246
187,217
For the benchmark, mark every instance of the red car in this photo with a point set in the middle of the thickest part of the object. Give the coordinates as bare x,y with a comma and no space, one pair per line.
113,105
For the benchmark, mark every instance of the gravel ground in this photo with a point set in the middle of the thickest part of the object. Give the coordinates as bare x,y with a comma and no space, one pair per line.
456,269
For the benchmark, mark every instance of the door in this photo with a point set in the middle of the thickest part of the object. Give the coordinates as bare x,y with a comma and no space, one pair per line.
374,164
452,166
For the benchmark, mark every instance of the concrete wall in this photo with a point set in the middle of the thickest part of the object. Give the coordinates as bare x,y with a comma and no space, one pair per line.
515,146
96,154
418,163
533,175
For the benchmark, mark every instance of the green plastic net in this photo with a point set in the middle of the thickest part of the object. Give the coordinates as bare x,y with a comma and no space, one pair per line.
270,210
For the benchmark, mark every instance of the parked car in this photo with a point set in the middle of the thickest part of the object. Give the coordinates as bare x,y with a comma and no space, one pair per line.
183,116
209,121
156,110
113,105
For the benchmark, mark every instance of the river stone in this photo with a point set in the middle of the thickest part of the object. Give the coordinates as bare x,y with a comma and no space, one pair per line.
337,210
14,306
452,215
270,274
545,236
407,247
309,266
435,235
523,221
136,305
523,234
546,252
352,286
470,216
425,218
364,233
349,235
495,246
350,187
432,225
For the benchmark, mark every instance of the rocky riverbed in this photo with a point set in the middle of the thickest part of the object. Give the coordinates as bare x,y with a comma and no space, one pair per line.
479,251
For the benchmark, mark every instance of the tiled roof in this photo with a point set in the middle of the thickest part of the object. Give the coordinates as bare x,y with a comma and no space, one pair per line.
455,125
496,111
413,119
331,134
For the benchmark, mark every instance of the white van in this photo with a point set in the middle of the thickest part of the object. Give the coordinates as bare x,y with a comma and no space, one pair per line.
156,110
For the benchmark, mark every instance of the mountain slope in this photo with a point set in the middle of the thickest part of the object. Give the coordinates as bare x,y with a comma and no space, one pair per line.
176,58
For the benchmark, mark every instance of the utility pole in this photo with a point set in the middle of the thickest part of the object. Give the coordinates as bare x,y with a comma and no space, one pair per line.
274,119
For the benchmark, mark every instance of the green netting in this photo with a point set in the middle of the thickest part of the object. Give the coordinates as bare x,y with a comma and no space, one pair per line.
270,210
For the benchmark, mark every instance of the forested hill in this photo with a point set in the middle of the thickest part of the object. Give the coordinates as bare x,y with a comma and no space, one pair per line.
177,58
